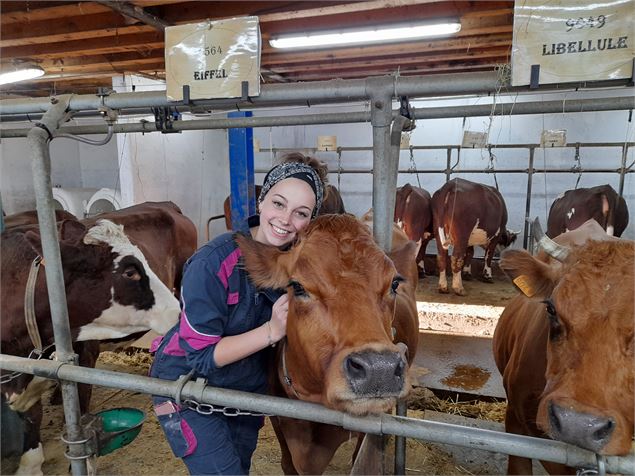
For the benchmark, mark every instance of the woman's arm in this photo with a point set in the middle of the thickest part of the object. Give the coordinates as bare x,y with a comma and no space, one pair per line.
231,349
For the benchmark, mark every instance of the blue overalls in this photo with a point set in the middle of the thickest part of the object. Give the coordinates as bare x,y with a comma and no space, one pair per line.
217,300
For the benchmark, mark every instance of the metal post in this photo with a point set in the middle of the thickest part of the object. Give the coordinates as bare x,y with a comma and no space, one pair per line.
38,139
530,176
448,164
385,167
241,167
400,442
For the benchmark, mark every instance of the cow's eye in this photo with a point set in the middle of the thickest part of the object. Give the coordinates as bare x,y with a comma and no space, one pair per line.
395,284
555,326
298,290
131,273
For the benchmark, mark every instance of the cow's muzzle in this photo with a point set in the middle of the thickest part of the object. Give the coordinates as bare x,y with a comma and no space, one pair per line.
375,374
592,432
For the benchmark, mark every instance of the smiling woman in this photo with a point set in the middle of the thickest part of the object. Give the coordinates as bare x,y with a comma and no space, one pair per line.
226,324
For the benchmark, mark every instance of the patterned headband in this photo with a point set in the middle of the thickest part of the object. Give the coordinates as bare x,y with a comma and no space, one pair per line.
297,170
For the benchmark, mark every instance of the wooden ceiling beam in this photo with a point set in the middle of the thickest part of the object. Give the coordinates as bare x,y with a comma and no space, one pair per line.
129,65
136,12
77,35
121,43
51,13
395,62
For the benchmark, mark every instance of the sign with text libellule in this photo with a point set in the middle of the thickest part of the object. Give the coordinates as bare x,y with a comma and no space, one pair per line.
213,58
573,40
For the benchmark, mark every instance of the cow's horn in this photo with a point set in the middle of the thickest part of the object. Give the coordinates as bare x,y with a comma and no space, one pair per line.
552,248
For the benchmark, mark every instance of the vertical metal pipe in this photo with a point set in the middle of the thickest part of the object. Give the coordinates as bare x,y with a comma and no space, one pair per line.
448,164
38,139
530,176
400,442
385,168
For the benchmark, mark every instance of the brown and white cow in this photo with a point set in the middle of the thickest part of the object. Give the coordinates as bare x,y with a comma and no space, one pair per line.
347,297
111,292
468,214
574,207
332,203
565,346
413,213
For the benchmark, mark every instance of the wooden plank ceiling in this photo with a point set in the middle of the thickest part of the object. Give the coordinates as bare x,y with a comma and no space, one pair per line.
82,45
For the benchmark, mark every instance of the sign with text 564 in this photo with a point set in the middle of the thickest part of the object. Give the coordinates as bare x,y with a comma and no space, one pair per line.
213,58
573,40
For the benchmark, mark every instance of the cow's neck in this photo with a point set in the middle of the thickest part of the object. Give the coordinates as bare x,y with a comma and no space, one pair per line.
286,376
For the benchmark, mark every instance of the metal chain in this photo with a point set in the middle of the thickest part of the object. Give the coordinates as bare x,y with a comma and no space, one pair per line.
413,165
577,166
13,375
490,166
209,409
339,167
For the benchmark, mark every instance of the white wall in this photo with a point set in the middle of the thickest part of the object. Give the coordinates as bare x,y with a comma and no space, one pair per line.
192,170
520,129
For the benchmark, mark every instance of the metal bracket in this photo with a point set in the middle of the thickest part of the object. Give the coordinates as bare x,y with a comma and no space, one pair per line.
534,77
164,118
406,110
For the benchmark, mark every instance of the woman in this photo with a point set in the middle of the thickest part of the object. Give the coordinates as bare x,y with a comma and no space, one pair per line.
226,322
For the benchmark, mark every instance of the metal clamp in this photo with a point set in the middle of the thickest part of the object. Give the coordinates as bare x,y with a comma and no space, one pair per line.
90,447
180,383
164,118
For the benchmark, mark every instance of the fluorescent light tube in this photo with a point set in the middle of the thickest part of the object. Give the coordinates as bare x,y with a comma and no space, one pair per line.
23,74
368,35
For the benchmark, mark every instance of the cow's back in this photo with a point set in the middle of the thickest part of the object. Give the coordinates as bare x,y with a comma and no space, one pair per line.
574,207
462,204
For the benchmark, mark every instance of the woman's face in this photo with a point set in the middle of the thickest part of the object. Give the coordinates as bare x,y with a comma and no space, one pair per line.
284,211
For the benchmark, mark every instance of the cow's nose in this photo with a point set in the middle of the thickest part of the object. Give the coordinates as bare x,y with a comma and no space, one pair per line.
375,374
588,431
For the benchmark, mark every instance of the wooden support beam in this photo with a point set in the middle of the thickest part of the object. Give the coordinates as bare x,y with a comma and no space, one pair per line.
136,12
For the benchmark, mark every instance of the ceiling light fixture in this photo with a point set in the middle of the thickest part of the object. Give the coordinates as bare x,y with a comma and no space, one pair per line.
21,73
367,35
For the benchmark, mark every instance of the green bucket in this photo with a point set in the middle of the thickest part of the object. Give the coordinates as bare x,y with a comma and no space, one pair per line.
120,426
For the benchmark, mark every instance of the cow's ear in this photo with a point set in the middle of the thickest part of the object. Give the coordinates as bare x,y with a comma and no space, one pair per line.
406,253
531,276
34,239
266,265
71,231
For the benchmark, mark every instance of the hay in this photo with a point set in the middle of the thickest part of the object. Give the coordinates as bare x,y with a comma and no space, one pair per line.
137,361
423,399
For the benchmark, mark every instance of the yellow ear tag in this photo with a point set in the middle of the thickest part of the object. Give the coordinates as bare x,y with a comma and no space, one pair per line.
522,283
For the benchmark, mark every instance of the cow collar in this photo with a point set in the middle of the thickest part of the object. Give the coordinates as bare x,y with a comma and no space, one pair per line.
285,371
29,305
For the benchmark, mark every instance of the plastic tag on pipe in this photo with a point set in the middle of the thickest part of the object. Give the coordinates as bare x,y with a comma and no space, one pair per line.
473,139
213,58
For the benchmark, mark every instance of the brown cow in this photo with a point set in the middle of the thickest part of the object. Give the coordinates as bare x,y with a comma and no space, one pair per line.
30,217
566,352
332,203
574,207
413,213
467,214
346,297
111,292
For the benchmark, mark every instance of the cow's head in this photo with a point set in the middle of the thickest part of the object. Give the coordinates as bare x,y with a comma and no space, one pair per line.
507,238
342,299
111,291
588,297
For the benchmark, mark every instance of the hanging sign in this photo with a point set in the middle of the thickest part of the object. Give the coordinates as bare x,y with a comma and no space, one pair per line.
553,138
473,139
326,143
573,40
213,58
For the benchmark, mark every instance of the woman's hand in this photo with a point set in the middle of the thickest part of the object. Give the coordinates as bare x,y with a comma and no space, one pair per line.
278,323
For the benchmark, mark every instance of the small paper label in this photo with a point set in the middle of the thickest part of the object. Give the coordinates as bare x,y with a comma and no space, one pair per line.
405,141
256,145
553,138
327,143
472,139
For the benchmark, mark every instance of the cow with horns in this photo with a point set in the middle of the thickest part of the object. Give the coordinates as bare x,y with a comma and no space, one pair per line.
574,207
111,290
565,345
352,315
467,214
